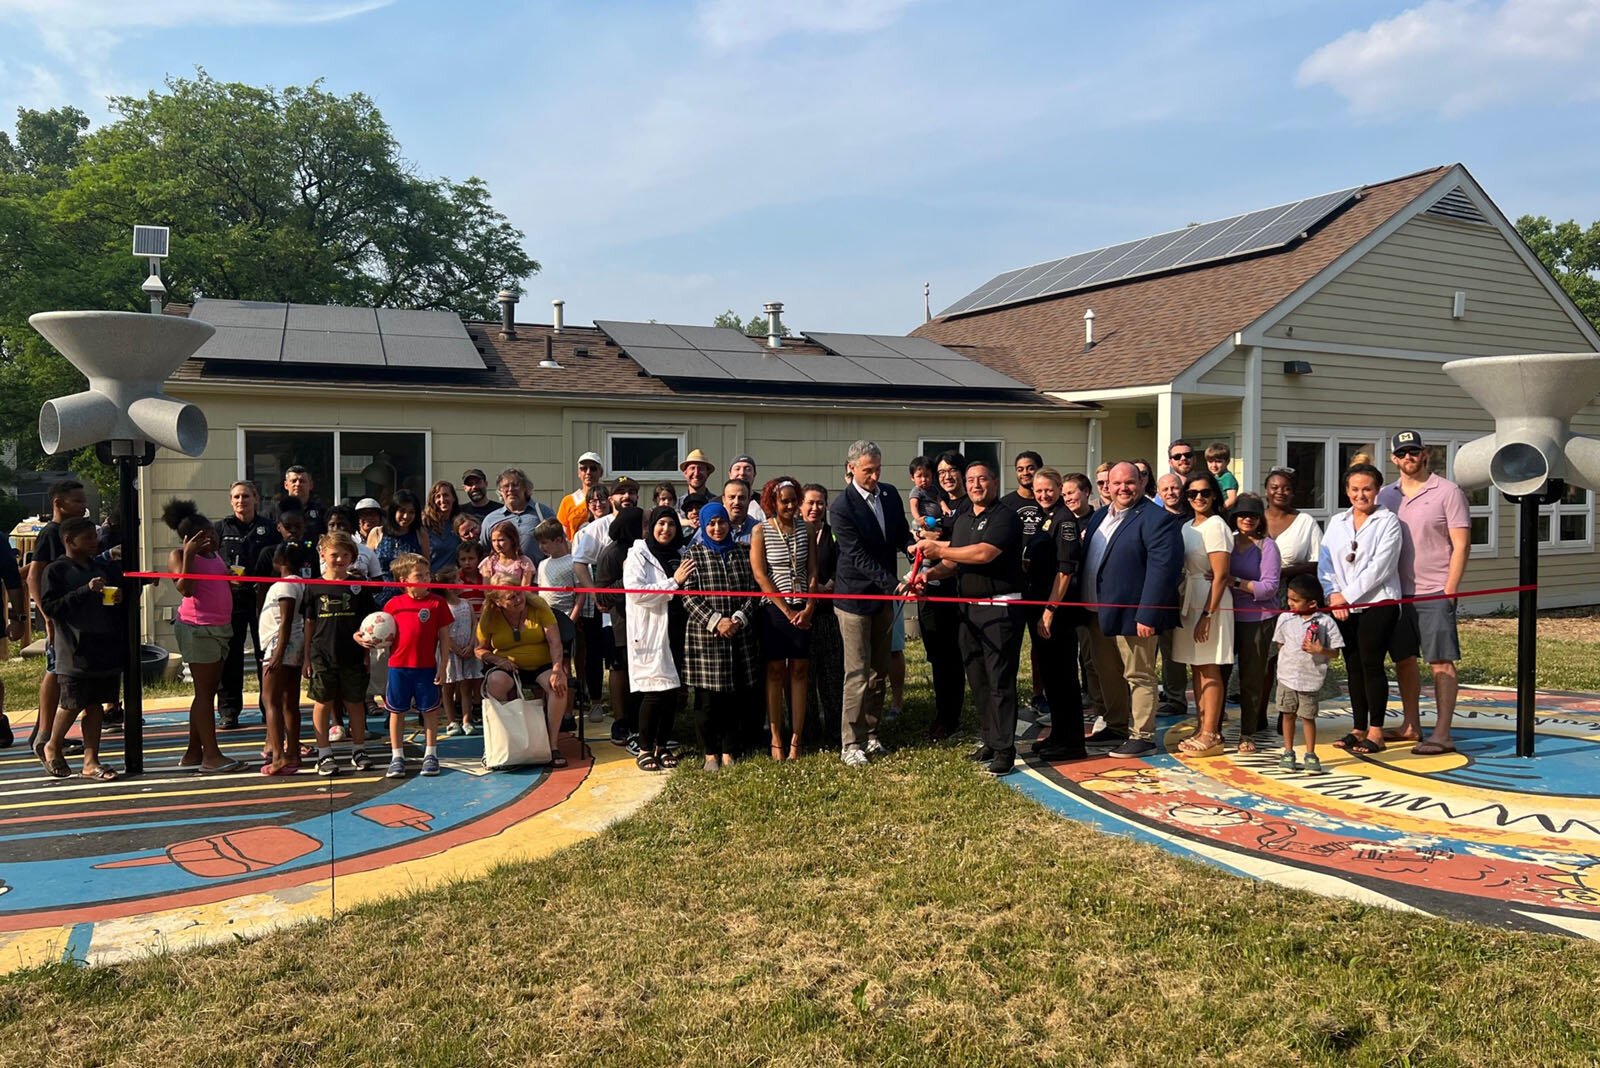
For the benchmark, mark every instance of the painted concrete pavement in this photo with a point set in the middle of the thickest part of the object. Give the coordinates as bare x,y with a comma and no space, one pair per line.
1479,834
100,872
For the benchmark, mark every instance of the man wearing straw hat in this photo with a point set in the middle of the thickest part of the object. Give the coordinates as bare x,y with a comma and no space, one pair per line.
697,468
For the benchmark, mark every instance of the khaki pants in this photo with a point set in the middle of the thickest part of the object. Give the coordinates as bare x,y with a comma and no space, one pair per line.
866,673
1174,676
1127,668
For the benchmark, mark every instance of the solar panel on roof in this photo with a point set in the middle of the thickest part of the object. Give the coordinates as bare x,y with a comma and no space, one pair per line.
913,361
917,348
827,369
651,335
717,338
1239,235
332,347
240,313
755,367
444,353
420,323
854,345
674,363
329,317
903,372
243,343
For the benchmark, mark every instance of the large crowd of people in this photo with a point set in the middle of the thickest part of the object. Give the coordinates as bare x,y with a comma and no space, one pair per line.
774,611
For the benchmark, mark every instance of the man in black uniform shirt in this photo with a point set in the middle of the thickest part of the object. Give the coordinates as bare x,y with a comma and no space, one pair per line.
1052,558
1025,503
985,553
297,483
241,536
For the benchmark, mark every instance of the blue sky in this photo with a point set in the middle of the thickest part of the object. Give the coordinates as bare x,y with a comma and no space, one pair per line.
670,159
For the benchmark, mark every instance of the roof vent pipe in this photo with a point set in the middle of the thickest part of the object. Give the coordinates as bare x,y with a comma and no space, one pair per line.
549,362
774,310
1088,328
558,315
508,313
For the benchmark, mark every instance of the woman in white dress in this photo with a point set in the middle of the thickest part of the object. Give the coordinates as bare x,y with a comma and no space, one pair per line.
1294,532
1204,638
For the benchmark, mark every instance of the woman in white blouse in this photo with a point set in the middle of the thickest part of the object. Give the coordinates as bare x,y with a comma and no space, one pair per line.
1294,532
1358,565
1204,638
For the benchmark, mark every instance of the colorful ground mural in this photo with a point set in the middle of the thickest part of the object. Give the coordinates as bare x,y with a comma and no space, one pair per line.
1479,833
99,872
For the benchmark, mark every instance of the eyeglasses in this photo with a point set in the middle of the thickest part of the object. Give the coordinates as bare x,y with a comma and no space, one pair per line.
1181,456
1350,557
1199,494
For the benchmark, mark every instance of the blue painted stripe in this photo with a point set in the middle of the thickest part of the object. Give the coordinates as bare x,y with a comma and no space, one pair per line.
77,948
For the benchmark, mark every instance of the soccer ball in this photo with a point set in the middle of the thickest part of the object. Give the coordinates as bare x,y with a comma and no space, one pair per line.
379,629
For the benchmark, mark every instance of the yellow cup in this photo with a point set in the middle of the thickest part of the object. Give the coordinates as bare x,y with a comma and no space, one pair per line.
237,569
108,595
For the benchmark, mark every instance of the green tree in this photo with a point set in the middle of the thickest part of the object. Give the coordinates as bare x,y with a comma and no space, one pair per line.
1571,253
292,194
756,327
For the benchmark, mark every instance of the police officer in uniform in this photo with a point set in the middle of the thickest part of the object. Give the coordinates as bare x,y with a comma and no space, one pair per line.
298,483
985,554
242,536
1052,569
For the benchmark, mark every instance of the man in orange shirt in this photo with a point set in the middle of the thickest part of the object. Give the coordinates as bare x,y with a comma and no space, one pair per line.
574,509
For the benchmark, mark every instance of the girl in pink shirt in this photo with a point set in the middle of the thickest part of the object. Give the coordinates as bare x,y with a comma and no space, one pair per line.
204,629
505,556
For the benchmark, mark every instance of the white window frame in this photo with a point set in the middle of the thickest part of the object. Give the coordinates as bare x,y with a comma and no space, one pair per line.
644,430
1330,439
961,446
1452,442
1553,546
338,432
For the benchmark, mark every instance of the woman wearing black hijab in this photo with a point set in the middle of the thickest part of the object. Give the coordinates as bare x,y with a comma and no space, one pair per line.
626,528
655,633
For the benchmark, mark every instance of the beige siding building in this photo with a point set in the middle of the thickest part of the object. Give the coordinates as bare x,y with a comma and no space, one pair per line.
1304,354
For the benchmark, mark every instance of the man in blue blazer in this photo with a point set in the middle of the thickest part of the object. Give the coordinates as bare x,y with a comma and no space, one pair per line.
1133,559
869,526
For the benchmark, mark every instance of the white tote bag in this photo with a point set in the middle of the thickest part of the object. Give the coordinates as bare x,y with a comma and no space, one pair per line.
515,732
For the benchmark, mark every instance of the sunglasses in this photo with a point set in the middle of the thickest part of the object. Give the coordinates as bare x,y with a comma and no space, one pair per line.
1199,494
1350,557
1408,452
1181,456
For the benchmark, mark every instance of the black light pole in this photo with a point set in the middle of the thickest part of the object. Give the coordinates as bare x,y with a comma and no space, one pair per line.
133,698
1528,506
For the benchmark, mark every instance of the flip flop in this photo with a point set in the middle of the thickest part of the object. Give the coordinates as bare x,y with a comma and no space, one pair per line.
100,773
1365,746
57,768
220,769
1432,749
1397,734
1348,740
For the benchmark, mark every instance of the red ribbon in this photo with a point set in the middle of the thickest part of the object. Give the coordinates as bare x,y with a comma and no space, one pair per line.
613,590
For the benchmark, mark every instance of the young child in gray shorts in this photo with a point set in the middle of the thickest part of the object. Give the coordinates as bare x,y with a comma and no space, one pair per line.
1306,639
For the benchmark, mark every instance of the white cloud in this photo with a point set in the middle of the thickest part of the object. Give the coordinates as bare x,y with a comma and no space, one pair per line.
1460,56
731,24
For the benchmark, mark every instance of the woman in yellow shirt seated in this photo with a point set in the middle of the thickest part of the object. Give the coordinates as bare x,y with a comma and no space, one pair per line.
520,645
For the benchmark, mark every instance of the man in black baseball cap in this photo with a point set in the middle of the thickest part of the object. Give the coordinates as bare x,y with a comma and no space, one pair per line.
476,486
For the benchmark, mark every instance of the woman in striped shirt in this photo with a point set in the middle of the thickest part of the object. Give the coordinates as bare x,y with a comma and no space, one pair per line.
783,564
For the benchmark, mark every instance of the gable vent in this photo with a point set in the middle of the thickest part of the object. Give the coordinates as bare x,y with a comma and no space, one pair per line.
1458,206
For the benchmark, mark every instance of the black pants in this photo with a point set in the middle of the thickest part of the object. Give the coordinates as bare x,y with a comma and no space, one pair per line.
991,646
717,713
1369,636
658,710
941,629
594,658
230,691
827,676
1058,659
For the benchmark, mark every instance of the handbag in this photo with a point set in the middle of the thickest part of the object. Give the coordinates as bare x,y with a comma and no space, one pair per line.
515,731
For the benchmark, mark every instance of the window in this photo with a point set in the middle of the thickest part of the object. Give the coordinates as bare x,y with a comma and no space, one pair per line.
646,453
1483,503
369,463
1319,459
1567,523
972,448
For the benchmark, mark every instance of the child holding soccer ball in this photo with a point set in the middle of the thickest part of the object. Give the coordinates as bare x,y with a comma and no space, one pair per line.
335,656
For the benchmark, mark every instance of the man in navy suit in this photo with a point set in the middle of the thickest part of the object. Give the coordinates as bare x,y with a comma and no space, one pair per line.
869,525
1133,558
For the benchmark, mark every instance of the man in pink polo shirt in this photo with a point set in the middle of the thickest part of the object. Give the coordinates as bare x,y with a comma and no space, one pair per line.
1436,526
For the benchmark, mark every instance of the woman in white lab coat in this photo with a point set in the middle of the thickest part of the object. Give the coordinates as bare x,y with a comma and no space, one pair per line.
656,622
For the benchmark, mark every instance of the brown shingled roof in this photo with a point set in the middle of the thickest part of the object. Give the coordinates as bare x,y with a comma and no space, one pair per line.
1150,330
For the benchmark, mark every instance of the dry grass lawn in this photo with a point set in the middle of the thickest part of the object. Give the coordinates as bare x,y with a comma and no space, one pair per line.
809,914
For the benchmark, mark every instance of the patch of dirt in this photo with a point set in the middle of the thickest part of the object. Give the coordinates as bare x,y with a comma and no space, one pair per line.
1560,624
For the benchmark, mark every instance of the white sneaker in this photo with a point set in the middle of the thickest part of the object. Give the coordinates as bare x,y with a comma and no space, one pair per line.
854,758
